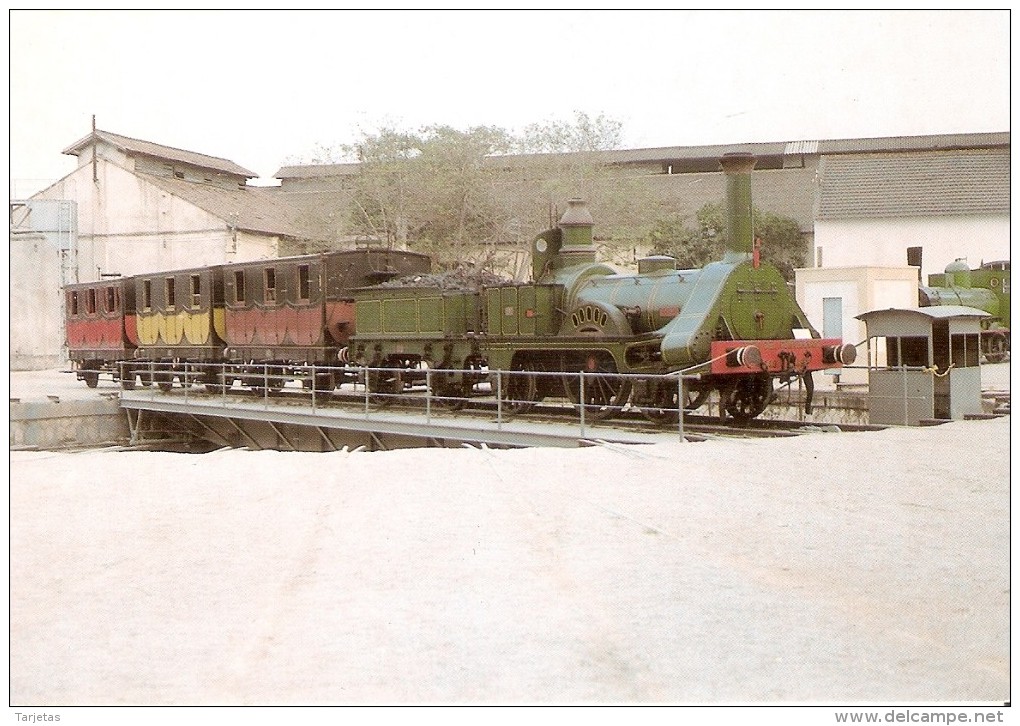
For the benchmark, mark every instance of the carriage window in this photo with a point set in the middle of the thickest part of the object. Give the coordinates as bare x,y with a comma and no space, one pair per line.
303,282
74,303
171,292
239,286
147,295
196,291
111,299
270,280
90,302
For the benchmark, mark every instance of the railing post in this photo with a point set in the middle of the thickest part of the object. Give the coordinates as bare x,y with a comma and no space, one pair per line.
499,399
906,407
313,386
581,400
428,395
680,405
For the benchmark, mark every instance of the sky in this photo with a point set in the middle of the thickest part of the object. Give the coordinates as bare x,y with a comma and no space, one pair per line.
265,89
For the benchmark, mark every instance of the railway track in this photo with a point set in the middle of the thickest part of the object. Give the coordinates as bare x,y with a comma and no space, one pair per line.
483,407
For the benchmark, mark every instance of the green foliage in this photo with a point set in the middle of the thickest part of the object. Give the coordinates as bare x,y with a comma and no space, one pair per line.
584,134
782,242
695,246
433,189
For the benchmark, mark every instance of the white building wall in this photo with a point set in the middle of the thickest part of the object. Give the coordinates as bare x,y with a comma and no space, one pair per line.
859,289
36,315
884,242
129,226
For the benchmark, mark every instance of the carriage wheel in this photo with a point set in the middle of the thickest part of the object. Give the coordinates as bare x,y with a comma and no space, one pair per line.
748,398
383,386
605,394
91,378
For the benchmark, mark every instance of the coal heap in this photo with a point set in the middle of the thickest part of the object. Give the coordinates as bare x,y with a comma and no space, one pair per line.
461,278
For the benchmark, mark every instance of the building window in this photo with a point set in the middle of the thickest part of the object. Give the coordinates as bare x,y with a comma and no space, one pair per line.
908,351
171,292
147,295
239,286
966,350
304,282
196,291
270,285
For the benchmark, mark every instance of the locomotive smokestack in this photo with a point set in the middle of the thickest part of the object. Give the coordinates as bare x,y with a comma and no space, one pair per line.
578,240
738,166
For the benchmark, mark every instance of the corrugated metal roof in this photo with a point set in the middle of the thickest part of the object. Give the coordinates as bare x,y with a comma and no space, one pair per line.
309,171
147,148
765,148
914,185
801,147
938,312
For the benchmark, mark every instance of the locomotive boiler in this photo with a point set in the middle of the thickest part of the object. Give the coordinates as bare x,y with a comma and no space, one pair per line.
731,327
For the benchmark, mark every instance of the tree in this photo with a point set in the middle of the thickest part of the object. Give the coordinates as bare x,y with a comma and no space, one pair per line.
439,189
428,188
782,242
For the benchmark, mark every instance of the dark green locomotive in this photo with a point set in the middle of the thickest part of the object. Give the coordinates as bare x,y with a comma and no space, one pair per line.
986,288
732,326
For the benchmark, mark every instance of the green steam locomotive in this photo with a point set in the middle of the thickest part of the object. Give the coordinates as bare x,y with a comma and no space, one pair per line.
731,327
985,288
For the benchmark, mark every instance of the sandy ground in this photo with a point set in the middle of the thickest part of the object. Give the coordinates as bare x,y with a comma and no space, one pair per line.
832,567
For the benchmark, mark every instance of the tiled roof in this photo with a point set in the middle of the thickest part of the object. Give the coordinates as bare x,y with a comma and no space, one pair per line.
158,151
254,209
914,184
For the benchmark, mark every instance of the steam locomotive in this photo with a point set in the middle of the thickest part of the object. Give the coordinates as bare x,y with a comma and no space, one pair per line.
985,288
731,327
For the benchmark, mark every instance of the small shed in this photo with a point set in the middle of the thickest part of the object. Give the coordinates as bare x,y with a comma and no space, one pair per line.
923,364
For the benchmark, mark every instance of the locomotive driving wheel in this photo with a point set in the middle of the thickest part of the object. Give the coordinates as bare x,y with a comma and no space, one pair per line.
748,397
605,393
997,348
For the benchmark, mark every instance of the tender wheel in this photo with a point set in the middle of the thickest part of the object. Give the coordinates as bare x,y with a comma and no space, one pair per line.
521,388
447,392
748,398
605,394
658,401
